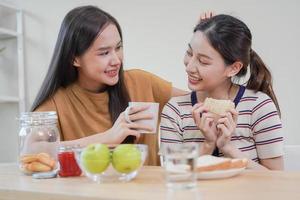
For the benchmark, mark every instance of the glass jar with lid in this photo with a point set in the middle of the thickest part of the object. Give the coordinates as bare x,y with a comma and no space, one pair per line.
38,142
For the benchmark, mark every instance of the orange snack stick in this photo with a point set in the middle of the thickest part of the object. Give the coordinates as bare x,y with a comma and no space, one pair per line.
24,169
29,158
37,167
45,158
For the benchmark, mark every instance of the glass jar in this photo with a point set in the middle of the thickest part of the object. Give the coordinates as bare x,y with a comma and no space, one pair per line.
38,142
67,162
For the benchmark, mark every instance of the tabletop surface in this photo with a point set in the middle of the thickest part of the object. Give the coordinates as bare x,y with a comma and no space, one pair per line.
150,184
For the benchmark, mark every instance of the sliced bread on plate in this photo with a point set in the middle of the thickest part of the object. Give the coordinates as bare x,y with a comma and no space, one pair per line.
207,163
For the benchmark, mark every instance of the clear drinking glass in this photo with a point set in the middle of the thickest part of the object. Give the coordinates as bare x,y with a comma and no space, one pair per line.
179,161
190,194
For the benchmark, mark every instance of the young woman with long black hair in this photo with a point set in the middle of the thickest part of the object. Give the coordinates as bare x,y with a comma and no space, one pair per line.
88,88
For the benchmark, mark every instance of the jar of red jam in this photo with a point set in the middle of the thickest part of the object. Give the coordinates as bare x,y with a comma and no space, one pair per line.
67,162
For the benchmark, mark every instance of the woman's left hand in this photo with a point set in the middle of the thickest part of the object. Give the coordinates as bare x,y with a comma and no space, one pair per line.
226,126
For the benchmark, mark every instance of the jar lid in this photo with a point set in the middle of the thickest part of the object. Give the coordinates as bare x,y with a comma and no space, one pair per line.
69,147
38,118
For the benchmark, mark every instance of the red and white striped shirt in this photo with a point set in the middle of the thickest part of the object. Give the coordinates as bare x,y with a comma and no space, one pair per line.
258,133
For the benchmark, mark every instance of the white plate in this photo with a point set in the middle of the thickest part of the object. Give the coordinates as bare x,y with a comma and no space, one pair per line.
219,173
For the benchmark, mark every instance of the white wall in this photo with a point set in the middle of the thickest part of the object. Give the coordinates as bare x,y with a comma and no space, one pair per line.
156,33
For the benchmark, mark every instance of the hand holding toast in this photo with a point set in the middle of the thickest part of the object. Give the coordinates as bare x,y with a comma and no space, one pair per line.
226,126
216,119
205,122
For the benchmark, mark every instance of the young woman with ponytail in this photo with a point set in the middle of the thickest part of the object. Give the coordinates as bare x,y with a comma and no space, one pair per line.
218,55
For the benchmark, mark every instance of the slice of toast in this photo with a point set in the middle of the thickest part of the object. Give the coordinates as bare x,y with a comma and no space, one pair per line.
211,163
238,163
218,106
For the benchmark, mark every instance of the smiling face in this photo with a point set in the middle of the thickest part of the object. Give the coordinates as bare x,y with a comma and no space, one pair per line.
99,66
205,67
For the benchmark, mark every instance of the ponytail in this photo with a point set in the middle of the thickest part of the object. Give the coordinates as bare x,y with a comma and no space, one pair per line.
260,78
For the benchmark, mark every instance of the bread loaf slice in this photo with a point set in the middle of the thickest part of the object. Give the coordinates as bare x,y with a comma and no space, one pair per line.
211,163
218,106
238,163
208,163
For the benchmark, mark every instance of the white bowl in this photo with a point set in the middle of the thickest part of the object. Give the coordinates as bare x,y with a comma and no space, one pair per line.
111,174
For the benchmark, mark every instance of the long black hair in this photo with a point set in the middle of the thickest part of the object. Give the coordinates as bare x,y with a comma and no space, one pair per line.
232,39
79,29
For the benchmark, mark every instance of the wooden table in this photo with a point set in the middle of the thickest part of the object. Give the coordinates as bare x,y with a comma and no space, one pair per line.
149,184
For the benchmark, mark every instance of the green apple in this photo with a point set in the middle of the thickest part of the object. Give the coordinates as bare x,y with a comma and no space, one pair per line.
96,158
126,158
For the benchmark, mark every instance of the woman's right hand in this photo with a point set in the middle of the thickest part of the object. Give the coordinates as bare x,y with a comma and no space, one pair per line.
121,128
206,15
205,122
